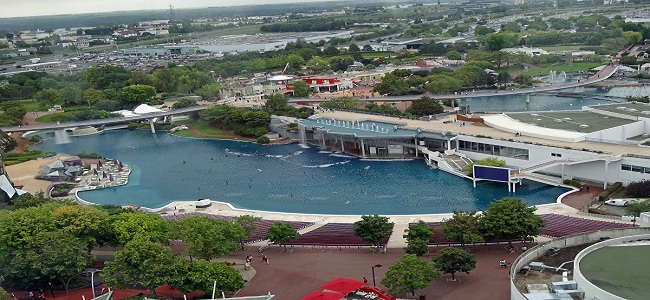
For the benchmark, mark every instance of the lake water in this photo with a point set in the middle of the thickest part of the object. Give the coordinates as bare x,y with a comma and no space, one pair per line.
288,178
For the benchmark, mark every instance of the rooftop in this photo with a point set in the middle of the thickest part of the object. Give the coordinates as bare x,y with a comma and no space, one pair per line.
634,109
579,121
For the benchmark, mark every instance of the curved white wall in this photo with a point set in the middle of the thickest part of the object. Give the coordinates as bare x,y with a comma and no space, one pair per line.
567,241
590,289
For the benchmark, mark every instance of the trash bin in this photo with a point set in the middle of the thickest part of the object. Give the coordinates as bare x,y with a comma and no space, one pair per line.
524,270
423,297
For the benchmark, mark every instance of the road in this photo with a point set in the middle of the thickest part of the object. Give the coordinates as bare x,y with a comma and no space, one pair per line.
101,121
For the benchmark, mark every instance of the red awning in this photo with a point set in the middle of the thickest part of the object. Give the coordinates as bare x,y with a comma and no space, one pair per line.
343,285
322,295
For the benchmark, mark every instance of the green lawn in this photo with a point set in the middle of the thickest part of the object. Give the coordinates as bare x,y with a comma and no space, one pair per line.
202,127
30,105
575,67
52,118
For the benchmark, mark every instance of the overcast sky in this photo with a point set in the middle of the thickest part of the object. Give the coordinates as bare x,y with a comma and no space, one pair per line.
23,8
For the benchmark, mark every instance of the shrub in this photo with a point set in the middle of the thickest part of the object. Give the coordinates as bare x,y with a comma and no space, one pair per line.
263,140
61,190
572,182
89,155
599,212
609,191
639,189
490,161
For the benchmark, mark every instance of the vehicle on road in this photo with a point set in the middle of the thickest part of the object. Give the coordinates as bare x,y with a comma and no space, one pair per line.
617,202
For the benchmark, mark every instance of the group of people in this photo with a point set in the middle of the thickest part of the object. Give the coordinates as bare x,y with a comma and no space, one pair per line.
249,261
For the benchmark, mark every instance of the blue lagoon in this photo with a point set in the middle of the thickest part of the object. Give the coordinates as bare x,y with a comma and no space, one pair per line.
288,178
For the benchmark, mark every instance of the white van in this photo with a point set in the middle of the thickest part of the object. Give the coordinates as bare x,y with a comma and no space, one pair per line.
617,202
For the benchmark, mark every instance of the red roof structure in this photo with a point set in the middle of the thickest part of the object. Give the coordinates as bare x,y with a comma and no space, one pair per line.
323,295
343,285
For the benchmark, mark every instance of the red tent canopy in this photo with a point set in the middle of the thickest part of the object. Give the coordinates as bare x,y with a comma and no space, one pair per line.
322,295
343,285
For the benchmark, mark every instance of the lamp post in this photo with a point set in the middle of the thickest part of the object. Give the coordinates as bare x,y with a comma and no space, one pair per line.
373,274
92,279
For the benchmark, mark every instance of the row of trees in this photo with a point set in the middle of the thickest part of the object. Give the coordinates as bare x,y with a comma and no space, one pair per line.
507,218
44,241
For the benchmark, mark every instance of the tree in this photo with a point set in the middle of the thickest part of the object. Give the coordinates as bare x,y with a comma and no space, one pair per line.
454,55
511,218
301,89
55,255
103,76
367,48
373,229
184,103
317,64
129,225
451,260
137,93
391,84
425,106
295,61
88,223
208,238
418,237
280,233
463,227
275,102
48,98
503,78
483,30
145,262
28,200
410,273
93,96
636,208
249,223
498,41
209,91
201,275
354,48
633,37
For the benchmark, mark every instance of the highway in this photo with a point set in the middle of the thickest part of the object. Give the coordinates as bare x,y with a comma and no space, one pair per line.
36,127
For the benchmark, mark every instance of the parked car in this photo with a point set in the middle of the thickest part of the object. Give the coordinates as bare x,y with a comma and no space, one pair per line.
617,202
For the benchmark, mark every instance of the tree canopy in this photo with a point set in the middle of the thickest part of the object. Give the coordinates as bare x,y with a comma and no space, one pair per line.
373,228
451,260
464,227
410,273
417,237
281,233
208,238
511,218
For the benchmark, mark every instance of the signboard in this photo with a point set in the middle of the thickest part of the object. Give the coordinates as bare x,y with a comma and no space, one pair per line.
491,173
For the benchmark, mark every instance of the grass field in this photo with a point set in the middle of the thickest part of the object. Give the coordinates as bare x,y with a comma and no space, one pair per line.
30,105
52,118
575,67
203,128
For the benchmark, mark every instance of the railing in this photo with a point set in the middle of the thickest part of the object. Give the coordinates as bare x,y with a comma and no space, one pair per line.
617,218
615,142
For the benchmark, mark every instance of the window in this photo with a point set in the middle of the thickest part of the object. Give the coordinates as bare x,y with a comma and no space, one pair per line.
503,151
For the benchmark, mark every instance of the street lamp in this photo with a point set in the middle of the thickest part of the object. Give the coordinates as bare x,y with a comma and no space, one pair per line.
373,274
92,279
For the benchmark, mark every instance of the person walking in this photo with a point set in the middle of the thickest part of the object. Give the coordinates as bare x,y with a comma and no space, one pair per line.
265,259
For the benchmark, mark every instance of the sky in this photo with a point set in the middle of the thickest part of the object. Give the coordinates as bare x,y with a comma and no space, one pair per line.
24,8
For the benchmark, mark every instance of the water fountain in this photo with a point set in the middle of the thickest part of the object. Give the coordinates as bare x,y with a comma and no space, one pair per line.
61,137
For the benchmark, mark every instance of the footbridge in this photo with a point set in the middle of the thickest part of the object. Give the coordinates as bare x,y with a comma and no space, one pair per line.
603,74
98,122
